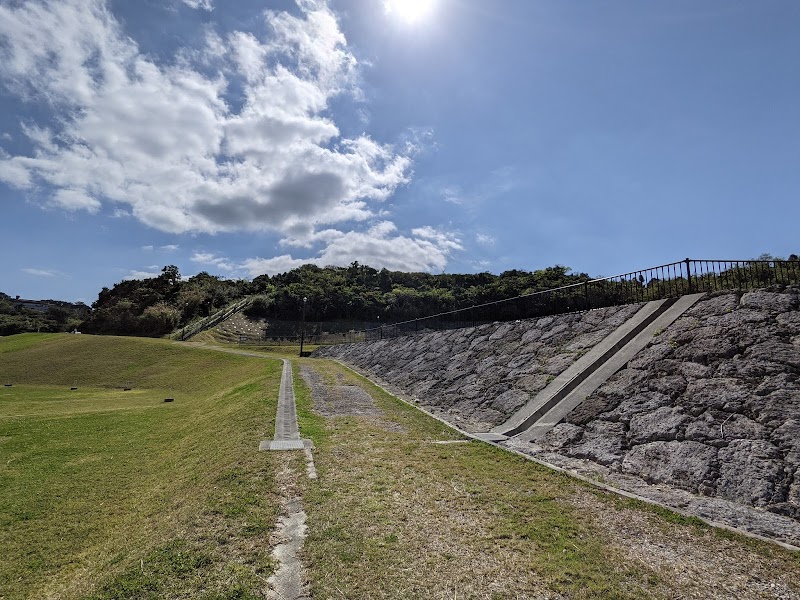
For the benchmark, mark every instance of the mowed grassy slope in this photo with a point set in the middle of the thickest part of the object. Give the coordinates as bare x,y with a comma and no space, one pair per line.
115,494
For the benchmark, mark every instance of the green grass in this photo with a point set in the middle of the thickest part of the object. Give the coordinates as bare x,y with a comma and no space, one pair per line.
116,494
112,494
207,339
312,425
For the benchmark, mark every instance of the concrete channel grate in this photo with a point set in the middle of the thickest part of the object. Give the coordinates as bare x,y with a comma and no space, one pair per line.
589,372
287,432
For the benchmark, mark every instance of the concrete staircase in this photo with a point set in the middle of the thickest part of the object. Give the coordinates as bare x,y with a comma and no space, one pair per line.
589,372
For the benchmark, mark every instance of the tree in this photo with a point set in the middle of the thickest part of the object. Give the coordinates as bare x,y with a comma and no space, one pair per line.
171,274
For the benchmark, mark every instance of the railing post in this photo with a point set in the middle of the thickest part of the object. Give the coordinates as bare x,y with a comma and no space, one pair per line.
688,274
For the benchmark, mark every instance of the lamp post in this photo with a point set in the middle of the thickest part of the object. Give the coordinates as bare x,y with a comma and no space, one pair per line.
303,326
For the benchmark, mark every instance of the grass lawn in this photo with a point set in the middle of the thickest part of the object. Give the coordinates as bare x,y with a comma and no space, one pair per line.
114,494
109,493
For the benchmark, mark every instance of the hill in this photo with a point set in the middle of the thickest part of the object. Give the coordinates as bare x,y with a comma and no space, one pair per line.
51,316
154,307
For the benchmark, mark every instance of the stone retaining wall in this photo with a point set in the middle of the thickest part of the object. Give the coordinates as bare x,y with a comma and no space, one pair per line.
477,377
711,406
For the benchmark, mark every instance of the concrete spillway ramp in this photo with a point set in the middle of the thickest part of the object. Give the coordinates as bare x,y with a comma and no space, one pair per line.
589,372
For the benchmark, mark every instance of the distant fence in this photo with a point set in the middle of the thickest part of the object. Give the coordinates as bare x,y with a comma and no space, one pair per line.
314,339
656,283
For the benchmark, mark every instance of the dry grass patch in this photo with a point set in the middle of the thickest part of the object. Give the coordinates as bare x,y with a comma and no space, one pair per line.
394,515
700,561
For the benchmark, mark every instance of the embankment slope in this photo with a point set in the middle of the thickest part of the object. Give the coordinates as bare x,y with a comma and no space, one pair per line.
710,408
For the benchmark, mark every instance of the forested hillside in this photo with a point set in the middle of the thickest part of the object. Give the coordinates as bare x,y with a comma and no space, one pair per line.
153,307
58,316
358,293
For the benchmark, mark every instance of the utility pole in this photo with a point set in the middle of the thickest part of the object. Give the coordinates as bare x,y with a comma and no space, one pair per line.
303,326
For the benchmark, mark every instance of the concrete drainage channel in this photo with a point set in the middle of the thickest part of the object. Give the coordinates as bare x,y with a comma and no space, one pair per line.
289,581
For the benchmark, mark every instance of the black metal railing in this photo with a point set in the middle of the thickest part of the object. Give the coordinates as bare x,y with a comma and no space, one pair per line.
655,283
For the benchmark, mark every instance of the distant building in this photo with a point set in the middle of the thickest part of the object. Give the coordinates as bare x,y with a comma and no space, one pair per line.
78,308
31,304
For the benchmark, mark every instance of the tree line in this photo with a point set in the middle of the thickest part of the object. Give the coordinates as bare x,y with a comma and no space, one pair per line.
156,306
58,317
160,305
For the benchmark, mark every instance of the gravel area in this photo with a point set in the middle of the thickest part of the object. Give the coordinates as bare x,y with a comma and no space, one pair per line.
342,400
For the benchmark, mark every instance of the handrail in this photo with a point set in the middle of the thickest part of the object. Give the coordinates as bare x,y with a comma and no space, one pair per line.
532,294
668,280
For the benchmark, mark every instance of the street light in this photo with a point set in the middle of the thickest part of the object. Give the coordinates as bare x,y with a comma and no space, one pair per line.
303,326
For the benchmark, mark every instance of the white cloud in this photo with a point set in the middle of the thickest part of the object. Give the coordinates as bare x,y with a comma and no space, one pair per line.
40,272
166,248
485,240
74,200
452,195
443,240
199,4
274,265
141,275
498,182
161,141
14,173
209,258
427,249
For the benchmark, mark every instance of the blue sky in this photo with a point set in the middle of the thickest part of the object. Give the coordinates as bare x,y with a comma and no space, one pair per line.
243,138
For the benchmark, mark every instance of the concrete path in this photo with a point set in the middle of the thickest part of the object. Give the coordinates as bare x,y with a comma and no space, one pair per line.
288,582
287,433
590,371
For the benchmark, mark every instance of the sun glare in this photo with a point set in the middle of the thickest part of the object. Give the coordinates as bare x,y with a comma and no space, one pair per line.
410,11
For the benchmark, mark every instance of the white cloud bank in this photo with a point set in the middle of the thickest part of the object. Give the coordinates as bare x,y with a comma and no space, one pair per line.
161,142
427,251
199,4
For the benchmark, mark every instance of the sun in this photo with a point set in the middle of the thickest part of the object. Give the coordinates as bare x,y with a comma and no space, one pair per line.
410,11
